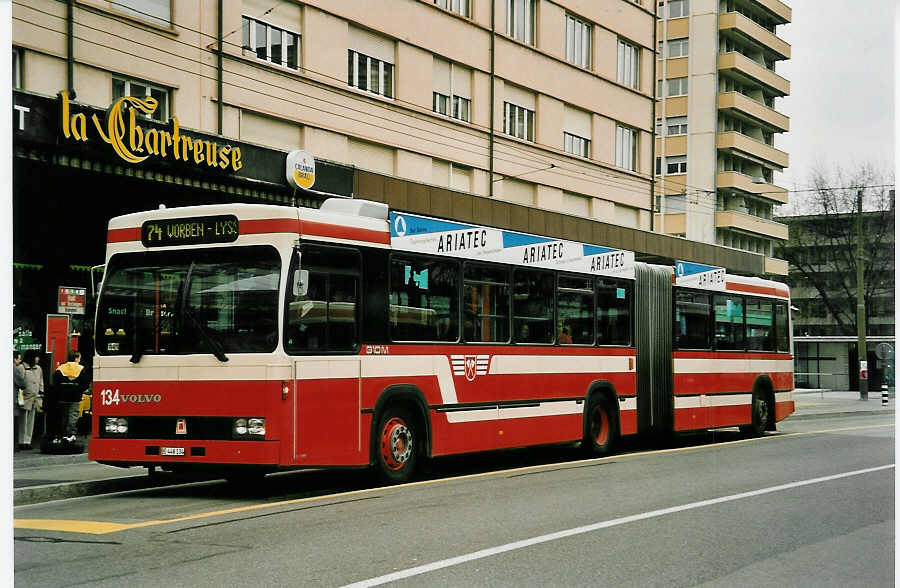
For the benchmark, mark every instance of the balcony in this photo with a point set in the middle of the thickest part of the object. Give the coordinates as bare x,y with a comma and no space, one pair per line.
733,219
779,10
776,266
759,112
738,24
747,69
738,181
745,146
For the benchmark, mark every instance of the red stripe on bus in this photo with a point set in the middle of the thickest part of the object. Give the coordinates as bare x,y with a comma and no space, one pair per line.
123,235
269,225
768,290
722,383
316,229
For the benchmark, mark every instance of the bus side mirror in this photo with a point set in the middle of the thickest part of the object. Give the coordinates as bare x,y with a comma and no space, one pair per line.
301,282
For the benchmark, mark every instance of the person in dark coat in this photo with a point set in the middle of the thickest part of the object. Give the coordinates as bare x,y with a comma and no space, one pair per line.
70,381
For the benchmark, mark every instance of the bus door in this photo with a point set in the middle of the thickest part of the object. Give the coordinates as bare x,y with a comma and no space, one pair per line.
322,332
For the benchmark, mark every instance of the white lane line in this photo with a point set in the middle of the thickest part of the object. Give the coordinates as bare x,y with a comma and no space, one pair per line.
446,563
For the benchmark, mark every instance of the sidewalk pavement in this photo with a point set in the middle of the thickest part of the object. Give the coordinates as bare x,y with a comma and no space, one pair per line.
41,478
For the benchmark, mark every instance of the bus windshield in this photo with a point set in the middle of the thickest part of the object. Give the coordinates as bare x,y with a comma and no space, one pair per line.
214,301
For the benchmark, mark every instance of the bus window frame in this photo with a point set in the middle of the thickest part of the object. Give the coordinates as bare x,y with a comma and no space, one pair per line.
509,287
459,295
710,319
629,290
512,293
359,315
592,292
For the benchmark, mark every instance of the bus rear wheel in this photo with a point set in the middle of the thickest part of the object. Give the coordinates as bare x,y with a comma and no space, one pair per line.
397,446
602,427
759,414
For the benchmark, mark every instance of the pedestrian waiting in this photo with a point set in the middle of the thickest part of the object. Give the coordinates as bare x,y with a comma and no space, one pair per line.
70,381
32,397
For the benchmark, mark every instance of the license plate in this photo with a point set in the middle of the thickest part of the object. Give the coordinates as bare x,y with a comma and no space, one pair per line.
171,451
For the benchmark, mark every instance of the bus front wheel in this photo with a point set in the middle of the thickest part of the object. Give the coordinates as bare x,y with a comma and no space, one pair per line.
397,441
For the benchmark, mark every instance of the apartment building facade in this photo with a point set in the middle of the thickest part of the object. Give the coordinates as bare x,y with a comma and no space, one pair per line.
717,121
533,115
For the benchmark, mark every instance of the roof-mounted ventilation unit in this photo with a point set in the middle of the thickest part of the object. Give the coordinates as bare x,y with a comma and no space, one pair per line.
355,207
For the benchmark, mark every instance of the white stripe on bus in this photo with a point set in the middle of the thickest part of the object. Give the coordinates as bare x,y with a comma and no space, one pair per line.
730,366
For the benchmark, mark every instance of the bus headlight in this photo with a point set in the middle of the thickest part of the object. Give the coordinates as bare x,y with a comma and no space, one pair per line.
257,427
245,427
115,425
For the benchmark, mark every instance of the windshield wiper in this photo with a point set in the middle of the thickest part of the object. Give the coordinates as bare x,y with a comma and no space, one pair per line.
187,310
217,349
136,344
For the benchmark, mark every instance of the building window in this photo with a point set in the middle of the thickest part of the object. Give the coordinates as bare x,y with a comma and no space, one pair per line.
441,103
675,125
626,148
16,68
629,65
678,8
461,107
156,11
452,86
125,87
460,7
677,48
518,121
576,145
674,87
675,164
370,74
520,20
578,42
270,43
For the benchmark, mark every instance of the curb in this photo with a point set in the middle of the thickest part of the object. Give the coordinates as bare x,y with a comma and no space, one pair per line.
828,415
62,490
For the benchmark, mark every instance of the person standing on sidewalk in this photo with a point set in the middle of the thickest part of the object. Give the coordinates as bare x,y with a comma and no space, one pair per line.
18,392
34,390
70,380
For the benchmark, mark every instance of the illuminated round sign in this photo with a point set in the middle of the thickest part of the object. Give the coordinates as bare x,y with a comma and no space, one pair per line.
301,169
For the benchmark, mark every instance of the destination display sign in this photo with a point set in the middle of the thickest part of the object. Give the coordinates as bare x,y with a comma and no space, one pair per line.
697,275
423,234
200,230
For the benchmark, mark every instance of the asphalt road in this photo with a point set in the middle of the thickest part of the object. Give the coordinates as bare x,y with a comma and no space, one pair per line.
812,505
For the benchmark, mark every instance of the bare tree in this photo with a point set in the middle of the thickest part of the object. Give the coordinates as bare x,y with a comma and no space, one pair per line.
822,247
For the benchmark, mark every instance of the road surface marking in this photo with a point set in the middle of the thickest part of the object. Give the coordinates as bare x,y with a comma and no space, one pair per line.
101,527
492,551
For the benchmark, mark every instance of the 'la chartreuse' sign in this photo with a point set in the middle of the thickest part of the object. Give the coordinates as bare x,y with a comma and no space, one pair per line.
135,144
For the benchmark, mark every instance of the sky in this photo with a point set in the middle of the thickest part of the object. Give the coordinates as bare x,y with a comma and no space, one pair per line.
841,71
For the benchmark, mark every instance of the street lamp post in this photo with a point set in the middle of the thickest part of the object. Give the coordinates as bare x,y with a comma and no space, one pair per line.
861,304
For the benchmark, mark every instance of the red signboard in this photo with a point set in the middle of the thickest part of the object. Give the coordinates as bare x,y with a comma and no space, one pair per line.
57,338
71,300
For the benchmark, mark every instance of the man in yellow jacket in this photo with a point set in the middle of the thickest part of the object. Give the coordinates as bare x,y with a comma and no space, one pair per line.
70,381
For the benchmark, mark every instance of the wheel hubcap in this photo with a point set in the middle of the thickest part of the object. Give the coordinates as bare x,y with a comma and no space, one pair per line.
396,444
600,426
762,411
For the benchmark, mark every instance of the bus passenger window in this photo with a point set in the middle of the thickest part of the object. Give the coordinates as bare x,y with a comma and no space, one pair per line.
760,325
783,327
485,304
729,320
424,297
575,310
613,312
533,306
691,327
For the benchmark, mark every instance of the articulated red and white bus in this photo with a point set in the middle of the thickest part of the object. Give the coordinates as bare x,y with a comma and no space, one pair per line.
250,338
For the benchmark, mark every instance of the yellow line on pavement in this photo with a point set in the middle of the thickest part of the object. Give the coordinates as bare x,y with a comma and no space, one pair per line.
102,528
